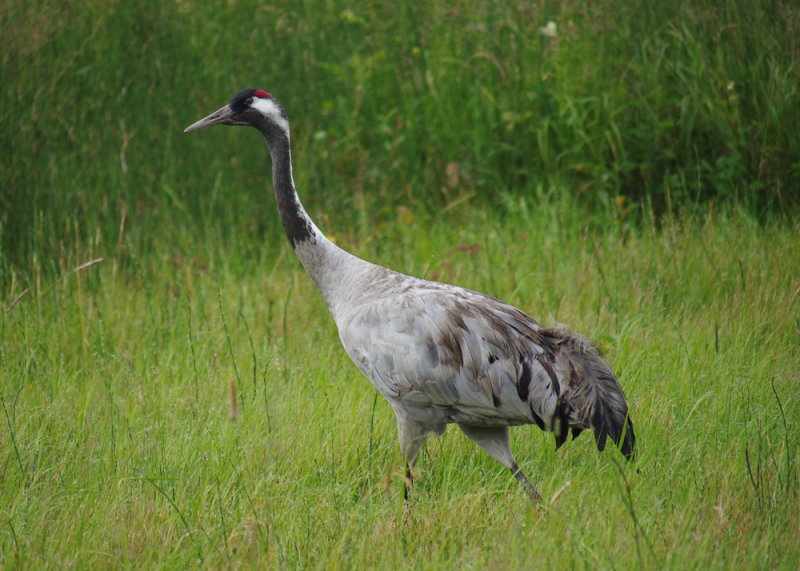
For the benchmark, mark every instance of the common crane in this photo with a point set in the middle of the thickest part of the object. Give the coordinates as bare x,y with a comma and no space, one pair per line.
439,353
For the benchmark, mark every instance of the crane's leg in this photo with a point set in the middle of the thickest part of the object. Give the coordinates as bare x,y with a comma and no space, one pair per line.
532,492
495,442
412,437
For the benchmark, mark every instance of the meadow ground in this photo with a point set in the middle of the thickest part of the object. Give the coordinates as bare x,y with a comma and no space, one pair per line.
195,412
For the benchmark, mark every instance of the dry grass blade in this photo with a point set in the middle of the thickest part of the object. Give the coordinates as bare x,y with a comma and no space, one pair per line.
88,264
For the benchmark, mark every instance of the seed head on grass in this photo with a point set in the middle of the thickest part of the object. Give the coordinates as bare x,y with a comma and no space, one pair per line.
234,401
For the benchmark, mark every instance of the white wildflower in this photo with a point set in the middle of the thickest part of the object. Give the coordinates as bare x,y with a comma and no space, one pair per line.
550,30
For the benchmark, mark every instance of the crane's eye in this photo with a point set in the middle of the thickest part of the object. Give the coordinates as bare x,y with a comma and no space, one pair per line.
249,100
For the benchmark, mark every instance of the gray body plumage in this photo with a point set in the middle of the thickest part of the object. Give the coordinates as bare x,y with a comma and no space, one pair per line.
442,354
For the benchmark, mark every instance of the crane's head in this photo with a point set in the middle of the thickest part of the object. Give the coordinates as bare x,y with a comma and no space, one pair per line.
250,107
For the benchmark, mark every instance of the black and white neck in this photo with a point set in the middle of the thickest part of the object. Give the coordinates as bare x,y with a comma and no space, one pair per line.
329,266
296,222
336,273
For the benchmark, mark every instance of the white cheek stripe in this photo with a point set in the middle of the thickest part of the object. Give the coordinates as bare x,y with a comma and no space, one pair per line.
268,108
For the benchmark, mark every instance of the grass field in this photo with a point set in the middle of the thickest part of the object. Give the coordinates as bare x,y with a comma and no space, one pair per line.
207,413
173,391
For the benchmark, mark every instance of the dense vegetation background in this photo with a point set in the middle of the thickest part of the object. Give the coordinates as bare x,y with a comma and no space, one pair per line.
668,105
173,391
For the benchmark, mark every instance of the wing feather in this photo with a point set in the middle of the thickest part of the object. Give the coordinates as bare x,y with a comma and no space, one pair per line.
477,359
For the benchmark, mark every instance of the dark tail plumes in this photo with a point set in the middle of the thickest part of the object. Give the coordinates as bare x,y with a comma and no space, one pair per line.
591,396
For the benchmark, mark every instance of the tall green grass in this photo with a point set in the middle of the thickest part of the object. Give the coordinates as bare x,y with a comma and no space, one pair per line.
666,104
183,414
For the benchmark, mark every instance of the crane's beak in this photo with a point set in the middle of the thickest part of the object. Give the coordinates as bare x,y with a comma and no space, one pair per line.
221,116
